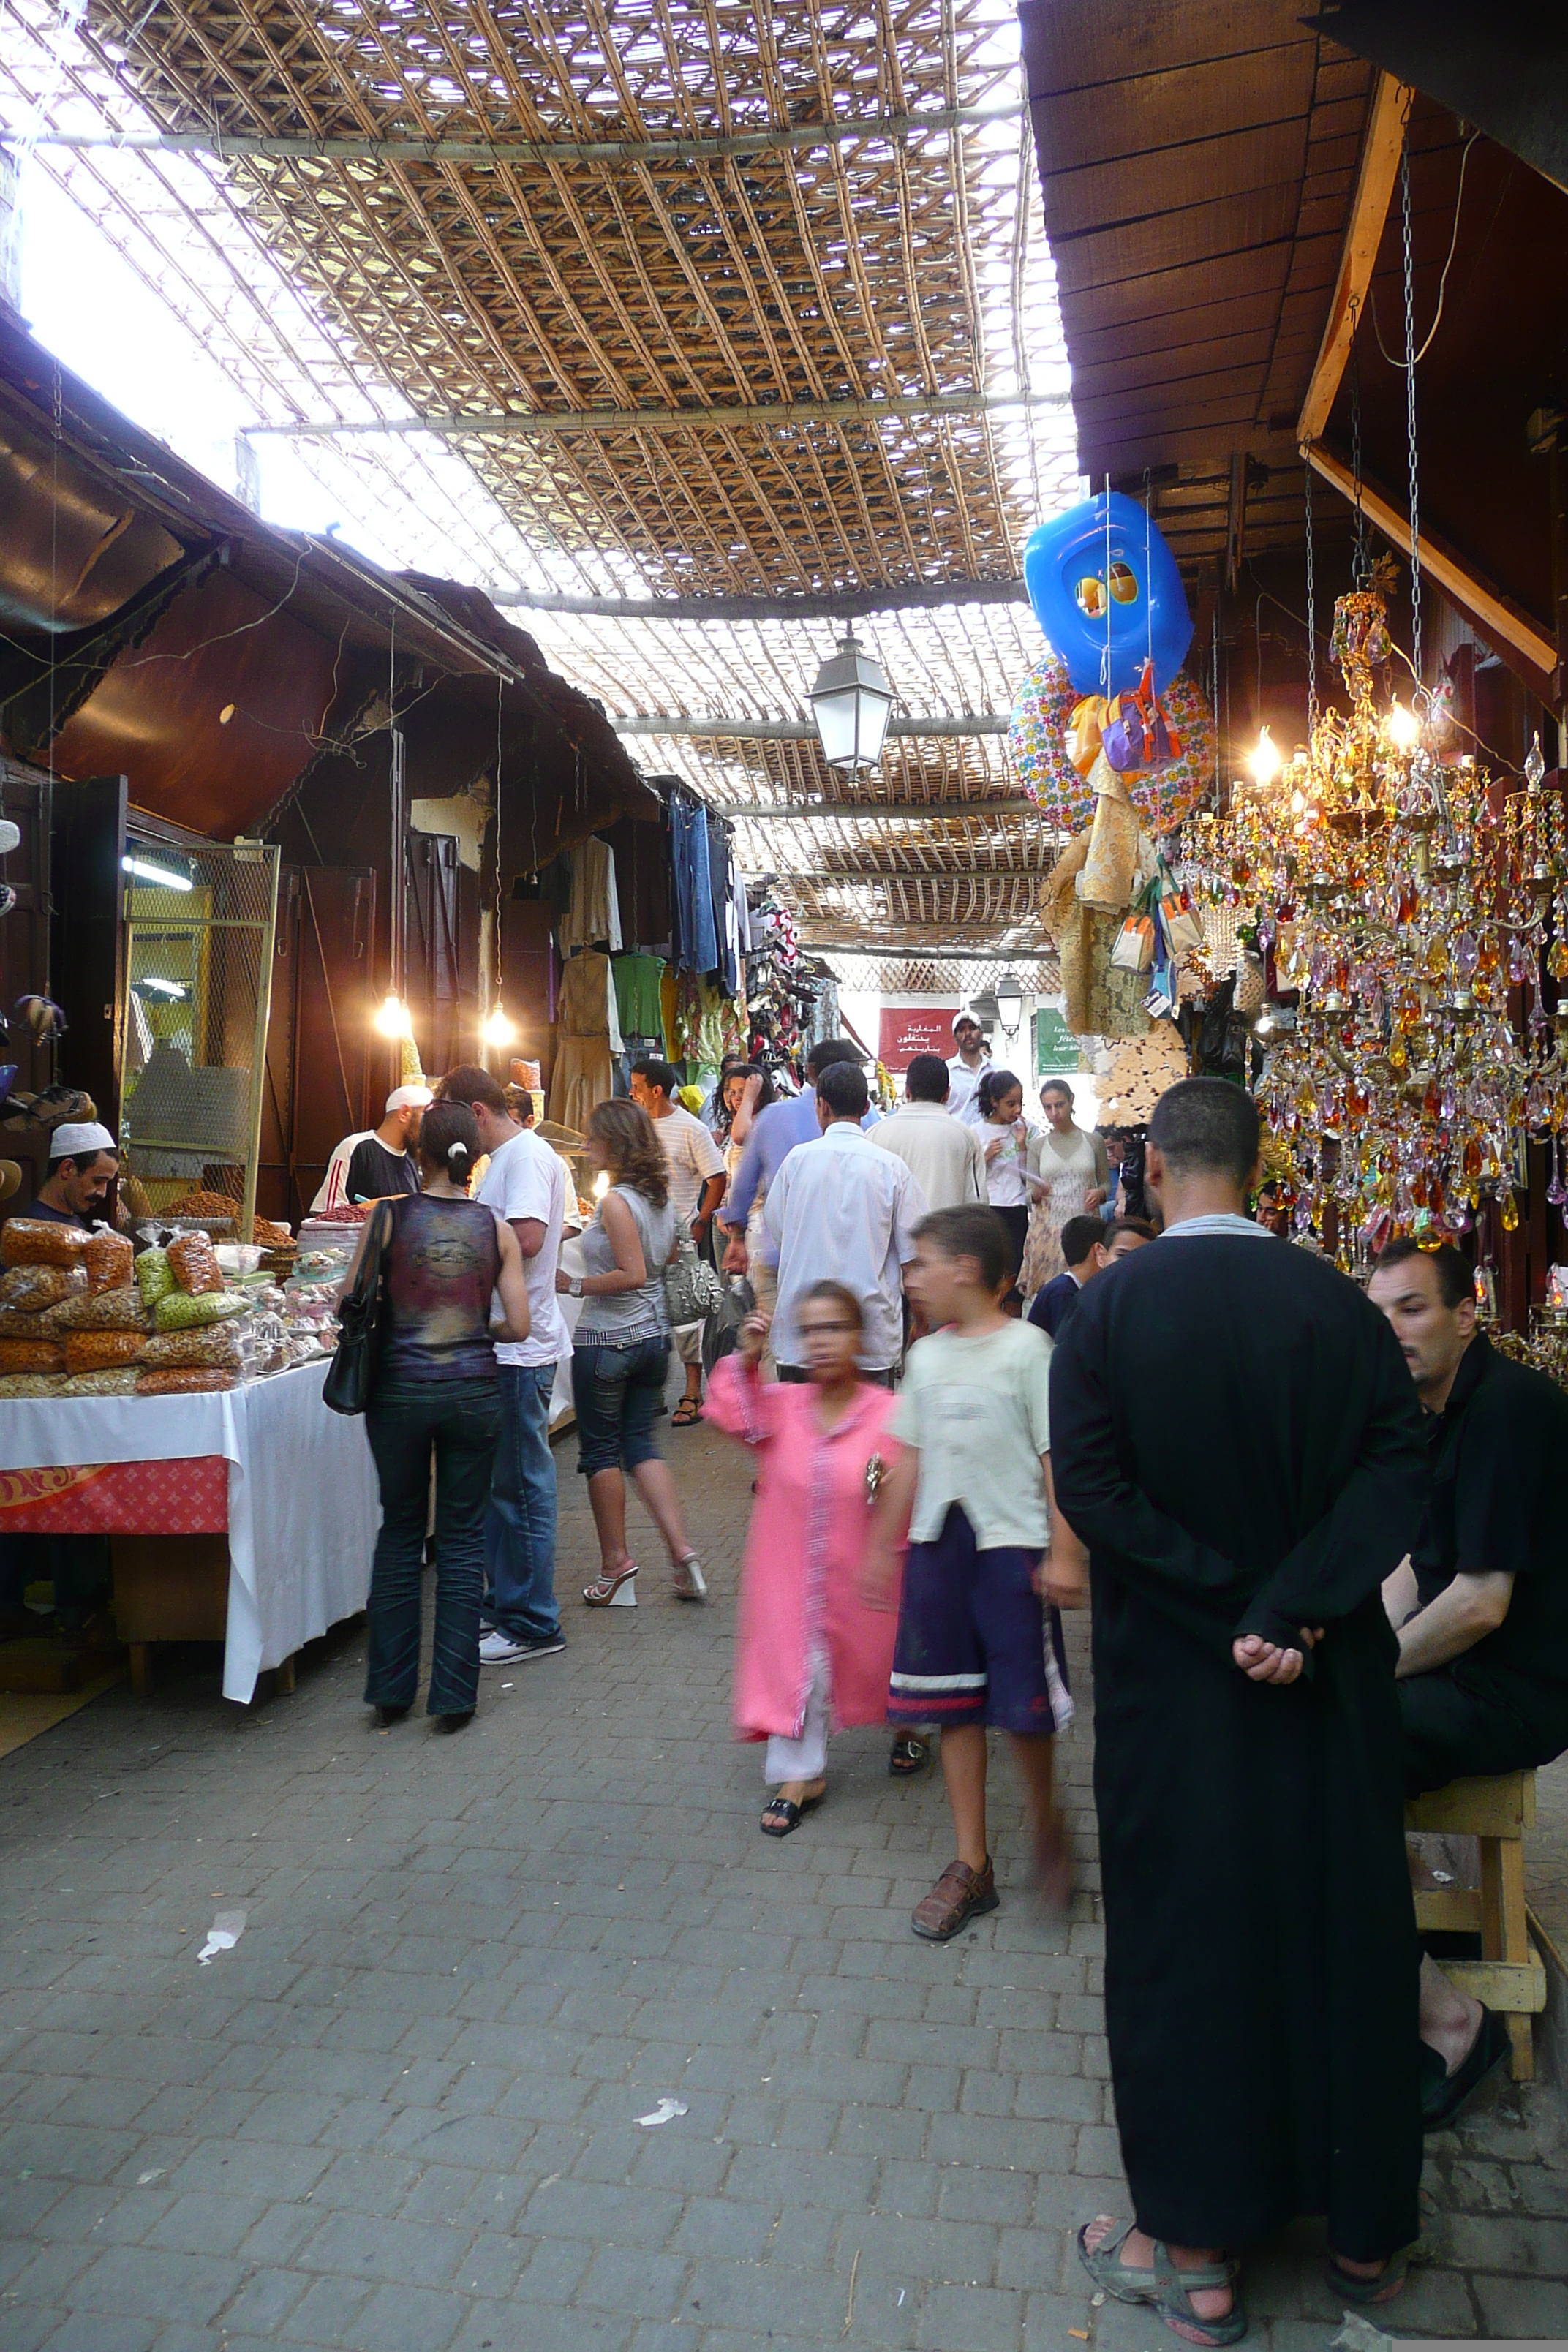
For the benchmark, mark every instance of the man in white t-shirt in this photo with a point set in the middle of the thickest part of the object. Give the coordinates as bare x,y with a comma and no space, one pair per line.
526,1185
967,1067
696,1188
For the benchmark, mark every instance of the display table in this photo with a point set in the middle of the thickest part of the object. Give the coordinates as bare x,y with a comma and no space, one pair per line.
298,1505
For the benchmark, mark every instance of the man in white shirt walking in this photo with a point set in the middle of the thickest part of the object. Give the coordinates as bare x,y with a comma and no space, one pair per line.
696,1188
944,1155
842,1209
526,1185
967,1067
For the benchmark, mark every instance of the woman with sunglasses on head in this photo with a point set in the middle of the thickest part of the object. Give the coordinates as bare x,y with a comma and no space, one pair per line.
811,1655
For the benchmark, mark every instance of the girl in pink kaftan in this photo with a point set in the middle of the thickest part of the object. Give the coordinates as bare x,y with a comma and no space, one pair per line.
810,1653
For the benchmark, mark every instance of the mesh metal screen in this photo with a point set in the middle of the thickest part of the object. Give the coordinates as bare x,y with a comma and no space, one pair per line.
200,920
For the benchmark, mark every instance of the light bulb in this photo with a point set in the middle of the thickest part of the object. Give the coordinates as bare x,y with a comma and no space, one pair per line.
1263,760
392,1020
1402,726
498,1029
601,1183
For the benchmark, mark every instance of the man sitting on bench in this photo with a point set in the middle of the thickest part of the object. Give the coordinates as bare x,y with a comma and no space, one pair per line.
1481,1604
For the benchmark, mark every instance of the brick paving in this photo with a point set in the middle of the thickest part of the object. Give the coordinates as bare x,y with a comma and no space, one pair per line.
400,2115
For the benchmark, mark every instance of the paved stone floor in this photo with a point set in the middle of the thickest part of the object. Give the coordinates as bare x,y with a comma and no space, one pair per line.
401,2113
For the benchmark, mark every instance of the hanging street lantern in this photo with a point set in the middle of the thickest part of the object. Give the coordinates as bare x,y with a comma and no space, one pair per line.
850,702
1010,1002
987,1008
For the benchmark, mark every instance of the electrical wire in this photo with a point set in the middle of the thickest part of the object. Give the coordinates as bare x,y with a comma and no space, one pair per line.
1442,282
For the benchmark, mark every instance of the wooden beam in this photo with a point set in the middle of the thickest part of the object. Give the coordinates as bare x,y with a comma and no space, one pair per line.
536,423
904,812
844,604
932,954
820,875
800,731
1369,210
1495,613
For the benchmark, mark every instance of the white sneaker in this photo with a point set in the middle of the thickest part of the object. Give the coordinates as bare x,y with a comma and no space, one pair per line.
501,1650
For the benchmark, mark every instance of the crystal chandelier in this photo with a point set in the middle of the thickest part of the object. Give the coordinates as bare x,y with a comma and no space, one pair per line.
1410,902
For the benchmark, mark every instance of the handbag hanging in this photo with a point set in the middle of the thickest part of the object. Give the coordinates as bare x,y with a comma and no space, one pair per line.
350,1376
692,1288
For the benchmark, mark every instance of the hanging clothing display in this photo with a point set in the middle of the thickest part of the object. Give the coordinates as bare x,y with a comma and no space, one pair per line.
705,1024
726,960
592,918
696,941
588,1038
642,881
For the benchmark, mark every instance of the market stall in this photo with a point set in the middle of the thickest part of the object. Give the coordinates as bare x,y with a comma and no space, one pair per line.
170,1398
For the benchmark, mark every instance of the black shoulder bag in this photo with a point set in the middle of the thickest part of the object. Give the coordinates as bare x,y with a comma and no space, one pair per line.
350,1376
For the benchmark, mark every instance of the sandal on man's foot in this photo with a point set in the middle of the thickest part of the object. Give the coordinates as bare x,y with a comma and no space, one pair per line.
689,1410
959,1895
781,1815
1166,2288
1388,2283
910,1755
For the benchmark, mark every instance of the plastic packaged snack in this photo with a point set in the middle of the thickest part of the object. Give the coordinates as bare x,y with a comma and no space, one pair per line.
183,1311
100,1351
30,1384
116,1383
175,1383
32,1356
34,1287
33,1240
209,1347
100,1310
194,1264
110,1261
13,1326
154,1275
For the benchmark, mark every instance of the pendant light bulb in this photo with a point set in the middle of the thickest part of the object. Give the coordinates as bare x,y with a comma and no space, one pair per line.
498,1029
1402,726
392,1020
1264,759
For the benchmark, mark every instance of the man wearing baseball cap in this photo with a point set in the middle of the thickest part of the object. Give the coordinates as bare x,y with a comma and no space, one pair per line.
83,1164
376,1162
967,1067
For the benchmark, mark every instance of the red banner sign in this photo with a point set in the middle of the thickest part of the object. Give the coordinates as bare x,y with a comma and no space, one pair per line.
907,1030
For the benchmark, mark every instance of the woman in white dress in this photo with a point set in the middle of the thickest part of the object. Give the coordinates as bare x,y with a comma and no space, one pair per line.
1076,1176
1011,1146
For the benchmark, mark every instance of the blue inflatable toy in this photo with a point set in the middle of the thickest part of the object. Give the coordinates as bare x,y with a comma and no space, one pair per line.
1107,600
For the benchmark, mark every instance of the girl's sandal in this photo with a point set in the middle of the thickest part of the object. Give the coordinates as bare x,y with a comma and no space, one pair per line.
1389,2282
685,1412
908,1756
1169,2290
782,1816
602,1592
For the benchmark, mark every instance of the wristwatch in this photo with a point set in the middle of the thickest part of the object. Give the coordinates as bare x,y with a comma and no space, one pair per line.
575,1285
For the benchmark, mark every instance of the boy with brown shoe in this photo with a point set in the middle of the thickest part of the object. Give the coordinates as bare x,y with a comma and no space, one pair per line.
976,1647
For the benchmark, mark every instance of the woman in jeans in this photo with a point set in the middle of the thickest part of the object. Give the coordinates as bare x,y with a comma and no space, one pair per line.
443,1258
620,1354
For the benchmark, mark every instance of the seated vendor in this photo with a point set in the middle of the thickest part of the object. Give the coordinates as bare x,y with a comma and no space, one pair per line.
1481,1603
83,1165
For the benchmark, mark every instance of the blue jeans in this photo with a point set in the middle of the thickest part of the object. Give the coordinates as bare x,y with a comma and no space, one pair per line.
460,1418
619,1394
520,1526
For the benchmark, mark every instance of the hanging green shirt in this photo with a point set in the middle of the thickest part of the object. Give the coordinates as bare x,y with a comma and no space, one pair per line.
636,994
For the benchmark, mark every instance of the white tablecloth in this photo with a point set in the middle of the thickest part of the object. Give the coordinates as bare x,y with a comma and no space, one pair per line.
303,1504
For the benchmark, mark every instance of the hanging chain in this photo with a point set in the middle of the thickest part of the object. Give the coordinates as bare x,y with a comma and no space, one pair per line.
1311,607
1410,408
1362,563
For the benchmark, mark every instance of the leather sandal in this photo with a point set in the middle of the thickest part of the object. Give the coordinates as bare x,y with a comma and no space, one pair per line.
959,1895
1168,2289
1389,2282
787,1814
909,1754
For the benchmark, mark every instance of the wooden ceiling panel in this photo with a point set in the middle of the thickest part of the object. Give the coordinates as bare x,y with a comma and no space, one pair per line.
1201,171
1073,47
1149,246
1161,111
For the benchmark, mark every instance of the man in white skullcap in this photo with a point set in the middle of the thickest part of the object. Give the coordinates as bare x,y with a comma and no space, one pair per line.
377,1161
83,1164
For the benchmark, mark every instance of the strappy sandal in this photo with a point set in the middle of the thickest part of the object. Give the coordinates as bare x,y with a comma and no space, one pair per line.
1167,2289
687,1412
788,1815
1389,2282
691,1584
908,1756
604,1593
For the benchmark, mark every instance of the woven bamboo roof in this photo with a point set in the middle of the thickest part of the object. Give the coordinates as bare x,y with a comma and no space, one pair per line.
840,253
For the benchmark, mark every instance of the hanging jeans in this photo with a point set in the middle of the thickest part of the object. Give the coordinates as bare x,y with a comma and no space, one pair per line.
461,1419
520,1526
698,947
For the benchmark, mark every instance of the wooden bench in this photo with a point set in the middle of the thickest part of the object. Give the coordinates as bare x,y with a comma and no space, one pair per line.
1508,1977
